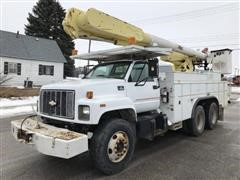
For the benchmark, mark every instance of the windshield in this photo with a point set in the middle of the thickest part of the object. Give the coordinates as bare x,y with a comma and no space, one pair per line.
116,70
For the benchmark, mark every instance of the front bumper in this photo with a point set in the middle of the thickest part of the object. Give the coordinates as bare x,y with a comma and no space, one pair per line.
48,139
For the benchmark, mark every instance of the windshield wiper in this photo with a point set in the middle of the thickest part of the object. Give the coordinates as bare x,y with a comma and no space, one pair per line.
102,75
114,77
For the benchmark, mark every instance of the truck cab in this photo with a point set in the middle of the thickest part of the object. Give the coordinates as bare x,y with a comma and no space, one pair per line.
109,86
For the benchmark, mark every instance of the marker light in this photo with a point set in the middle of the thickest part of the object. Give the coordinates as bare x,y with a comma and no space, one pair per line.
89,94
131,40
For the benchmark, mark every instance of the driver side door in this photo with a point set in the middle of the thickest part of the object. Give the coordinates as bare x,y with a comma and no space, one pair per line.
141,88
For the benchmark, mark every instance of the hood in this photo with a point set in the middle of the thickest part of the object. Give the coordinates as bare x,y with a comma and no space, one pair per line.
98,86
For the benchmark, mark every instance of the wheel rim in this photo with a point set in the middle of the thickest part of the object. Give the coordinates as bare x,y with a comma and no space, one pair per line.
118,146
200,121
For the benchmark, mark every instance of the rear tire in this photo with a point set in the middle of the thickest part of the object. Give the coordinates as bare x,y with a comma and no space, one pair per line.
112,145
196,124
212,116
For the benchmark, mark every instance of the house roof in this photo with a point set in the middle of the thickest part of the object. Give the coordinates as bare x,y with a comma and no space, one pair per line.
29,48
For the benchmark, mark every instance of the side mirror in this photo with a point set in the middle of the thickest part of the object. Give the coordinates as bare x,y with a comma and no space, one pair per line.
153,68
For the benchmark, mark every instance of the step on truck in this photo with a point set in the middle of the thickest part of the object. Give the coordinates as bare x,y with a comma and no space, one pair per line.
131,94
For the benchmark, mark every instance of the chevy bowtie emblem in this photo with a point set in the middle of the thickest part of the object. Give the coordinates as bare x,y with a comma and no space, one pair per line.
52,103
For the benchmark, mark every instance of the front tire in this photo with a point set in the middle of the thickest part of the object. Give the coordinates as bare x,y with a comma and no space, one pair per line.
112,145
196,124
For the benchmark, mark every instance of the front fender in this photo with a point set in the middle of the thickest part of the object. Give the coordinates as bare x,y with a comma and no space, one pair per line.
104,104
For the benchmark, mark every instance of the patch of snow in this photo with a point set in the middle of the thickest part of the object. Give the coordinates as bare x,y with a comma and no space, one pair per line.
17,111
20,87
10,107
72,78
19,101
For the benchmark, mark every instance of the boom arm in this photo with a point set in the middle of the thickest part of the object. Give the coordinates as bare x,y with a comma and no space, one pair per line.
96,25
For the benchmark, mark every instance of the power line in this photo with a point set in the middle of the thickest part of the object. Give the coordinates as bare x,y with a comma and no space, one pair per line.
208,37
213,45
231,38
207,41
230,7
190,14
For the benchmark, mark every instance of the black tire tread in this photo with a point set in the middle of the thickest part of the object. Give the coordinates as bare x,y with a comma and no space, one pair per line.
209,124
98,144
191,125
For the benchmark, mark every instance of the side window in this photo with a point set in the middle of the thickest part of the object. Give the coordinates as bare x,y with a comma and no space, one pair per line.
139,72
119,70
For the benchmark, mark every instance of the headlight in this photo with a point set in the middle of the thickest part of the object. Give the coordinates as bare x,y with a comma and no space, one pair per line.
86,110
83,112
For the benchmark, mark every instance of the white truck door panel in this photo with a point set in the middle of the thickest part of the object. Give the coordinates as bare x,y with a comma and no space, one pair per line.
145,98
143,94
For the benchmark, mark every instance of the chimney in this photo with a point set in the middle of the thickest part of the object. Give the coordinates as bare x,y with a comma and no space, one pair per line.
17,35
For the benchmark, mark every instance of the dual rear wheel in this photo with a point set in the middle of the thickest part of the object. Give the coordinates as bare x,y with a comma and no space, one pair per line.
213,115
202,117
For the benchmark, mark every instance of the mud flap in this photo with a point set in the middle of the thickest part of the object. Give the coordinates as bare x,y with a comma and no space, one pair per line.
221,113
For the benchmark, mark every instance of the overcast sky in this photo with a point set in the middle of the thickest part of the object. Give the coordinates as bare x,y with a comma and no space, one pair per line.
193,24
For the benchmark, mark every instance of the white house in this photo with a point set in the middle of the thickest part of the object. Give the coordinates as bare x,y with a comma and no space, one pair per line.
29,58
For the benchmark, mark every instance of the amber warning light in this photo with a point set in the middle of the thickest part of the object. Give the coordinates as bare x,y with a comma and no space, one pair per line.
131,40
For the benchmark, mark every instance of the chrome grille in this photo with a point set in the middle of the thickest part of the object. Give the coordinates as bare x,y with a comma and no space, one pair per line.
59,103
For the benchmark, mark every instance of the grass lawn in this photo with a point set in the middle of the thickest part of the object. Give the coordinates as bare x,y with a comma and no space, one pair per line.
7,92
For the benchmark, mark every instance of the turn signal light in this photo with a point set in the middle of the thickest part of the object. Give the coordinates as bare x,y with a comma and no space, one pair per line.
89,94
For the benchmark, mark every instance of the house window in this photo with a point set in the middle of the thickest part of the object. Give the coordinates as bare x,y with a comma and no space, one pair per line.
46,70
12,68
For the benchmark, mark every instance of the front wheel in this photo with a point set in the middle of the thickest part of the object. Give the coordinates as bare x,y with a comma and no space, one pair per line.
112,145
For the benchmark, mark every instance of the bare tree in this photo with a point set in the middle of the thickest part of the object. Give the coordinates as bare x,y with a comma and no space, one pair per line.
4,78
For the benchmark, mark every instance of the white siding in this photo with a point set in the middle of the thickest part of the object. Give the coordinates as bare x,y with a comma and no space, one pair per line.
29,69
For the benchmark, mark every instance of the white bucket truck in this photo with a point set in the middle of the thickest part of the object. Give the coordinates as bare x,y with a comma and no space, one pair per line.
131,94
